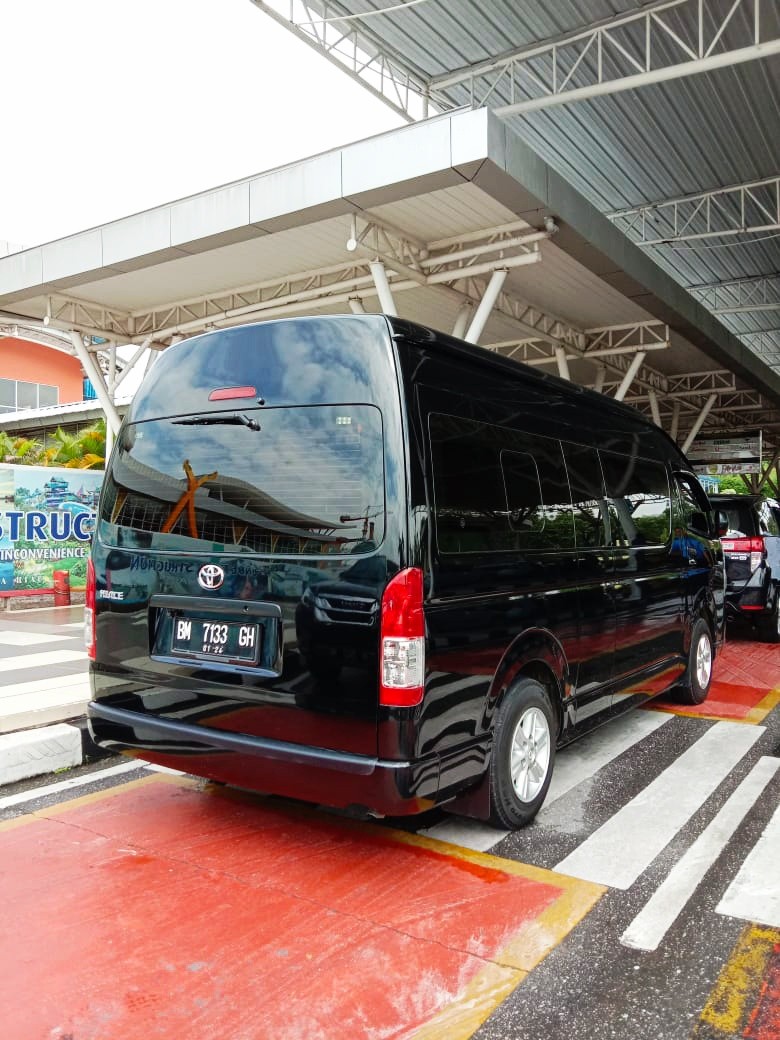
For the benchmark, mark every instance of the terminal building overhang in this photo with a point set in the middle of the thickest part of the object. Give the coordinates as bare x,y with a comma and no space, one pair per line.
454,222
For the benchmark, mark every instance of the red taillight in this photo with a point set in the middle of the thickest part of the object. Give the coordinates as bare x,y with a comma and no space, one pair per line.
402,641
229,393
745,545
753,546
89,611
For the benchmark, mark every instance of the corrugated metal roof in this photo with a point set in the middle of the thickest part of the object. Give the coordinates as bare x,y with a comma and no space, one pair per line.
692,134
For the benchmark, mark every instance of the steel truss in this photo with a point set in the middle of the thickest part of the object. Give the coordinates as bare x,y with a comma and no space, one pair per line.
621,53
735,210
353,48
744,295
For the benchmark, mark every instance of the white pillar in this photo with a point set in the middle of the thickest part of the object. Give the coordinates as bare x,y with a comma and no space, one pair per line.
699,422
95,377
654,409
675,428
628,378
462,321
563,363
356,305
386,301
601,375
489,298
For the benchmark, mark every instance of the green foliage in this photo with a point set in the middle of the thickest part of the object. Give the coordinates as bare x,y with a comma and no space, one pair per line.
85,450
732,485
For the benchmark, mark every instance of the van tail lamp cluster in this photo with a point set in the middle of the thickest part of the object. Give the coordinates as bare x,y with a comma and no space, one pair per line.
754,546
90,598
402,636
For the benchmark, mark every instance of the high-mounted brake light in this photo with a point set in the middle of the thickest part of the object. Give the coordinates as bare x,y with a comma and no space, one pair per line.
230,393
89,611
402,639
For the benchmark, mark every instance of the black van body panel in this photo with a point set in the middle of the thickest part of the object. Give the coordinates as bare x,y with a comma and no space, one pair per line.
601,620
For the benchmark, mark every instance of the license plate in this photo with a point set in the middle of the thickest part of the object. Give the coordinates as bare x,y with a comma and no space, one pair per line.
225,640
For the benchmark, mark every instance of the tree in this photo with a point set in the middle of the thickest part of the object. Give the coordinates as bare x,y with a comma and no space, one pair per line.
85,450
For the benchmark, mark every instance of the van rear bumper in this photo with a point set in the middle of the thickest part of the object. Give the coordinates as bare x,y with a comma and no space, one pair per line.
335,778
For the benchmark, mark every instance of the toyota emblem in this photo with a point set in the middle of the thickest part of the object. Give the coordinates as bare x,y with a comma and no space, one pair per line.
210,576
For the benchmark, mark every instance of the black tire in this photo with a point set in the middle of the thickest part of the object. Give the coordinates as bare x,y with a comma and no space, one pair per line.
698,676
525,723
768,626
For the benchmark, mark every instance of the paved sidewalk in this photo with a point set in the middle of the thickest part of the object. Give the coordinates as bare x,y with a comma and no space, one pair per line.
44,690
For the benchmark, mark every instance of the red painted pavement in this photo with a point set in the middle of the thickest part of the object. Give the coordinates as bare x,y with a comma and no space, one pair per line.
764,1022
162,911
746,673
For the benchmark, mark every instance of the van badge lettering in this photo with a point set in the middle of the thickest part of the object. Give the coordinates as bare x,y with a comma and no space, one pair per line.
210,576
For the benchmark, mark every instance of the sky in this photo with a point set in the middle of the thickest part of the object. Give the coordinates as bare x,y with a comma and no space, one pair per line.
109,108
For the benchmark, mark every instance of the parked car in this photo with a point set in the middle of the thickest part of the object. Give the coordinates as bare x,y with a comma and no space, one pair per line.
488,561
751,549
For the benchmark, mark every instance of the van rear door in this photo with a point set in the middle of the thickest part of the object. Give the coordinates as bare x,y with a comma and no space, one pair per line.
243,547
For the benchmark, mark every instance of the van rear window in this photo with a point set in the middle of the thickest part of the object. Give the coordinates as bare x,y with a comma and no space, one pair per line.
278,481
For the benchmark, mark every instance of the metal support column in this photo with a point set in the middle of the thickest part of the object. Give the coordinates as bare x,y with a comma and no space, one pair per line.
655,411
386,301
628,378
356,305
486,305
95,377
563,364
699,422
462,321
601,375
675,427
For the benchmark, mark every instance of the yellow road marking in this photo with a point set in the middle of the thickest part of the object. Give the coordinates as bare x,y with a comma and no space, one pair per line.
762,709
738,985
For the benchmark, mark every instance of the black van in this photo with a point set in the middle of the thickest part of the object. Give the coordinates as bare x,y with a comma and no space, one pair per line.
357,562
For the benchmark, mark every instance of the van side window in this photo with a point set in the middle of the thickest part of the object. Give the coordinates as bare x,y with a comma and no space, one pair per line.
694,504
537,491
587,495
469,492
497,490
639,502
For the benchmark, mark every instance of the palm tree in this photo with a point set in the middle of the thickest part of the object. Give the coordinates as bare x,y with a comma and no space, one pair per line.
85,450
22,450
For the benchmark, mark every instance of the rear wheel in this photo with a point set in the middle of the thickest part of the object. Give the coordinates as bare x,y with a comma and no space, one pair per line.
769,625
698,677
521,765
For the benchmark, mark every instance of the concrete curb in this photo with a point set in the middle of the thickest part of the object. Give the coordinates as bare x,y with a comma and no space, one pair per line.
33,752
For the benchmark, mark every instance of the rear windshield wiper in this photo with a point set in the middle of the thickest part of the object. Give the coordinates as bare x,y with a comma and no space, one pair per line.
219,420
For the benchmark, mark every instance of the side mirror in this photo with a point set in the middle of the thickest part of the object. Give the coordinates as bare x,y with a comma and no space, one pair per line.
723,524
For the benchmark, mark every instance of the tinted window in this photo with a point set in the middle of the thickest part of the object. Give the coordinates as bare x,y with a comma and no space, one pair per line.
639,502
694,504
310,480
767,519
587,495
497,490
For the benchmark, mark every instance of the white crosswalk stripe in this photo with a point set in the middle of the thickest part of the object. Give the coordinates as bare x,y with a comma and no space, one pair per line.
658,915
573,765
40,660
625,846
754,894
30,639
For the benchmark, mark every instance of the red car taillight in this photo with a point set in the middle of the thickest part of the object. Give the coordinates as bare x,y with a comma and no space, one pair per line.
754,546
89,611
402,641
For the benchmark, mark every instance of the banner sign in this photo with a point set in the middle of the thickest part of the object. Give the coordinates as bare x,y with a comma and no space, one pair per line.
726,455
47,515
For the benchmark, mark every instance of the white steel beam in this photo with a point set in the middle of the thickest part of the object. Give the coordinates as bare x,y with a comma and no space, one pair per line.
699,422
734,210
740,295
628,378
386,301
617,54
342,39
95,376
486,304
563,364
654,409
